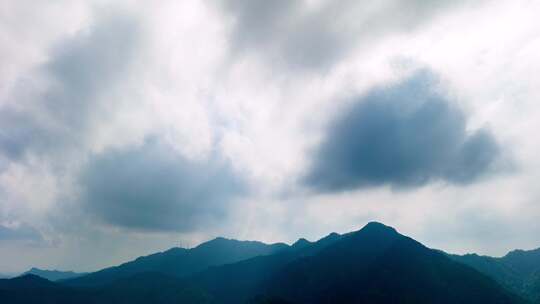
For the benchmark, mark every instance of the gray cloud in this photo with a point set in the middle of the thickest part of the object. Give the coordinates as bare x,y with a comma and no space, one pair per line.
44,117
403,135
307,37
22,233
152,187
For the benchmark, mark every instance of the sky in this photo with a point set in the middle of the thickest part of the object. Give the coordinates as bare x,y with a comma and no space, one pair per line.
129,127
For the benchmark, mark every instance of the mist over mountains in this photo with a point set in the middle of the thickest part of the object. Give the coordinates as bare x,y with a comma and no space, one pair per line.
375,264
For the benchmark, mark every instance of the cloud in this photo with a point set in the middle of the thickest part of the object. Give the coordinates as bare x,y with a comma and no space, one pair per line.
82,90
19,233
60,102
152,187
404,135
316,34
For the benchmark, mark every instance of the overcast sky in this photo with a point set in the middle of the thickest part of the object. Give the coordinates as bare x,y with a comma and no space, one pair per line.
129,127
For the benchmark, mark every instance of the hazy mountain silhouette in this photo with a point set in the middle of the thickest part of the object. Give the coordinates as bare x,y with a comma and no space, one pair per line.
243,281
180,262
373,265
54,275
27,281
30,289
518,271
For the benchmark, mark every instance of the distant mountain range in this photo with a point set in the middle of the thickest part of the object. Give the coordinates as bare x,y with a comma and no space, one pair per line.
373,265
180,262
518,271
54,275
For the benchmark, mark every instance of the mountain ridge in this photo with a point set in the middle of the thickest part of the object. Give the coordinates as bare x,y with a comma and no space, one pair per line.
518,270
53,275
375,241
179,261
374,264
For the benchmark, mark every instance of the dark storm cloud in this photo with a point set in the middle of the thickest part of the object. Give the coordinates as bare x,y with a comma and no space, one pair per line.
153,187
308,37
21,233
40,120
403,135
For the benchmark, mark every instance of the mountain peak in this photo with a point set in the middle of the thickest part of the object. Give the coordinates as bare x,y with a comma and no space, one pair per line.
218,241
32,279
521,252
330,237
301,243
377,226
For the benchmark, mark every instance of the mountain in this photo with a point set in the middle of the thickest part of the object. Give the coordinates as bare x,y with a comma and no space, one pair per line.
518,271
54,275
373,265
241,282
30,289
179,262
139,289
26,282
